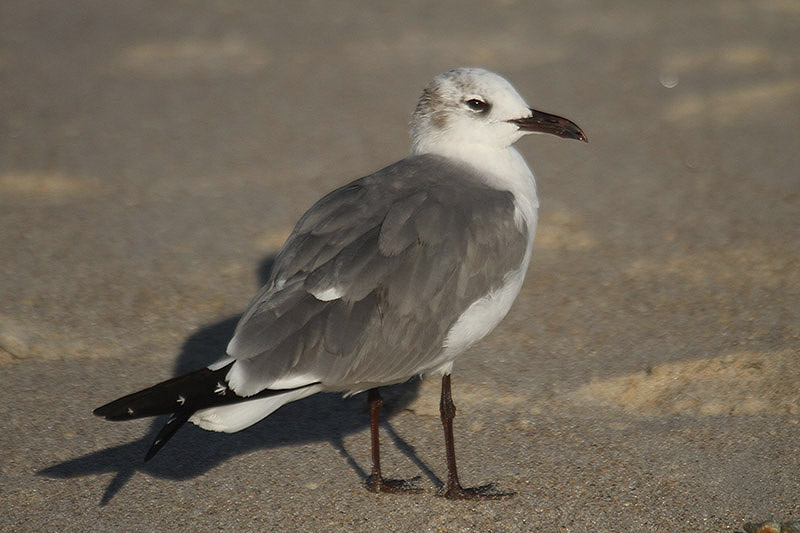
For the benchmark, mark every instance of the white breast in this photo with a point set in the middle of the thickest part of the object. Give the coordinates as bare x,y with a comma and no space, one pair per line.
484,314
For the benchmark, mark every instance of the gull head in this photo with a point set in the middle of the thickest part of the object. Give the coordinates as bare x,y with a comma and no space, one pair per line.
469,108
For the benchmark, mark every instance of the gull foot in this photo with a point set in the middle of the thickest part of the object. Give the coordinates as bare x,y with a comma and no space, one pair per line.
394,486
484,492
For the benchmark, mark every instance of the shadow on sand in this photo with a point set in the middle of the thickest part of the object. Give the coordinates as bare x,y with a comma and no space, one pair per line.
193,452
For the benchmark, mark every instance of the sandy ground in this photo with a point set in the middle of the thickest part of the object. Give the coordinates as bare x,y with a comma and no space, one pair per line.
155,155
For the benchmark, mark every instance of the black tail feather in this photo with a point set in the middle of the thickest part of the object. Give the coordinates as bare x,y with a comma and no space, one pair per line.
173,424
180,397
194,391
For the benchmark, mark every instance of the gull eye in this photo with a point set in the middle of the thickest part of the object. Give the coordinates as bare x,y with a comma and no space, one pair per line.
477,105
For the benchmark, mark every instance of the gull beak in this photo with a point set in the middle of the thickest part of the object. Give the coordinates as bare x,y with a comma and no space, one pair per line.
541,122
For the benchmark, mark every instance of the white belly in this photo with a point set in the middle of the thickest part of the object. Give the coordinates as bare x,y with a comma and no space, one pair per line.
484,314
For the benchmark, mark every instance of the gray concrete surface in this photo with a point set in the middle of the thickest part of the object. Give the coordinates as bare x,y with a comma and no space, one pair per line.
154,155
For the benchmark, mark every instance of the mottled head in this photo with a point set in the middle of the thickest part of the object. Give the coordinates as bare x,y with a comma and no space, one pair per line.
472,106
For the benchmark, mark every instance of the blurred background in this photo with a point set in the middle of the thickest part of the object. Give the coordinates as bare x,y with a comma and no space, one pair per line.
155,155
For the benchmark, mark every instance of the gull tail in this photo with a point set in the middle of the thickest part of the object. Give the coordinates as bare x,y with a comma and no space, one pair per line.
204,398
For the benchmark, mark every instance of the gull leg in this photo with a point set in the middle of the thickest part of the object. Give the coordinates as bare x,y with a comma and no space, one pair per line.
453,489
376,483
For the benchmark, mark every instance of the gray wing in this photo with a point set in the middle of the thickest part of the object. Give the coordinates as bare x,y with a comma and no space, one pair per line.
374,275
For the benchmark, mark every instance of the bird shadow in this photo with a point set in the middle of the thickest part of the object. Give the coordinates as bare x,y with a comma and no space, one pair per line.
323,417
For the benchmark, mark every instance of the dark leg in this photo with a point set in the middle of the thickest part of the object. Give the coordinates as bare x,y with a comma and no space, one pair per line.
376,482
453,489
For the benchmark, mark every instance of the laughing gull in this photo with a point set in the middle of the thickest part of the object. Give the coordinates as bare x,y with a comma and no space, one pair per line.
391,276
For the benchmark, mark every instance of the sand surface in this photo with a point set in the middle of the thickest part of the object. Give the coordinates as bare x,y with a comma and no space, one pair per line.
155,155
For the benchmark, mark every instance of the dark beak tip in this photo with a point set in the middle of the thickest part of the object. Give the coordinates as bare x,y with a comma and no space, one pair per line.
570,130
575,132
541,122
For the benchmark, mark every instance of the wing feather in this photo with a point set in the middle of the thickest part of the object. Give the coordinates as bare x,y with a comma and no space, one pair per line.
422,238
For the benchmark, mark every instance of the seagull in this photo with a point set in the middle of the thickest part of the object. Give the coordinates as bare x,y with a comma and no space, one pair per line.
389,277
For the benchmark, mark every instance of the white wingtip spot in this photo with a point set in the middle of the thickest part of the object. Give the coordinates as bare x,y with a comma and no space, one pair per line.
331,293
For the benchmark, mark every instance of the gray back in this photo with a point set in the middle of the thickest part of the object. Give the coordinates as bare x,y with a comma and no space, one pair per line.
406,250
